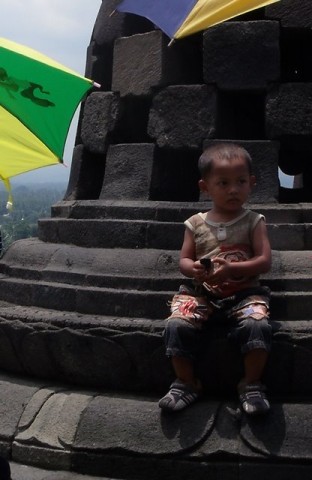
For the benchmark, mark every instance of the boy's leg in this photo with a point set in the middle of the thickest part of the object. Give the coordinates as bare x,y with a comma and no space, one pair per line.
254,363
184,370
254,334
250,389
182,341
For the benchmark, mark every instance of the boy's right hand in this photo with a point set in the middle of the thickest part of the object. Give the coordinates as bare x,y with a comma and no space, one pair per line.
199,271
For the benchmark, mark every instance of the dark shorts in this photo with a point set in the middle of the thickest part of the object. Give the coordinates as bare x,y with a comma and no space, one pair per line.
245,314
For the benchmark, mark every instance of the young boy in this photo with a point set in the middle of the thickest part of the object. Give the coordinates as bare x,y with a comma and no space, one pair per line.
224,250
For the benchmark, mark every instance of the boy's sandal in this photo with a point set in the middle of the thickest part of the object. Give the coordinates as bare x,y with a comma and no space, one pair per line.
253,399
179,396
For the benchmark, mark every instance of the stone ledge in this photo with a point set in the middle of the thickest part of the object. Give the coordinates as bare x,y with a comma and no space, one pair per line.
129,302
171,211
132,269
107,433
27,472
140,234
128,354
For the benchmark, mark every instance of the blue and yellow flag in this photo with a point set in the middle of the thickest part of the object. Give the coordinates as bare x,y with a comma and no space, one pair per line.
179,18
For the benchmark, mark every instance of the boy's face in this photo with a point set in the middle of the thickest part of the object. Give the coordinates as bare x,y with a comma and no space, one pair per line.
228,184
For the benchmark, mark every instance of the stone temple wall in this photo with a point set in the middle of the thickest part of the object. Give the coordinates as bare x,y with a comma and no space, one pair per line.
247,80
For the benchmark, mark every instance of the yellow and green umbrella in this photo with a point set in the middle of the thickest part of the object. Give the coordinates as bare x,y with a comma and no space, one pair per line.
38,98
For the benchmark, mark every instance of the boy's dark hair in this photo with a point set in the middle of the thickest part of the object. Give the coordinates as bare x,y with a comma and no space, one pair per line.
224,150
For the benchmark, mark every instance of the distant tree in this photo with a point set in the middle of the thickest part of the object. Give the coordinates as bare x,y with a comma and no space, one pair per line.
31,202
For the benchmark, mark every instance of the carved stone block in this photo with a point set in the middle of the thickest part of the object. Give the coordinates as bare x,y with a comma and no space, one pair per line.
128,171
241,55
182,116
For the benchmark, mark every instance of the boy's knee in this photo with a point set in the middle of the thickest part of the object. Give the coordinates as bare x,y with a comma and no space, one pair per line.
252,333
261,325
181,338
176,324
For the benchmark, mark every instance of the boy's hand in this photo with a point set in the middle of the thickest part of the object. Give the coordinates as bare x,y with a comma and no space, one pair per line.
199,272
220,273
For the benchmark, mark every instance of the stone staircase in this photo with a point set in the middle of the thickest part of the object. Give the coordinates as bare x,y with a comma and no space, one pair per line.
81,316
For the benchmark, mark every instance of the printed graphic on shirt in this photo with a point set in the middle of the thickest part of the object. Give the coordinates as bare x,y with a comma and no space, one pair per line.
232,253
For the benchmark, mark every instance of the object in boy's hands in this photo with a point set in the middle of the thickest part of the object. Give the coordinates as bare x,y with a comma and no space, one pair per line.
206,262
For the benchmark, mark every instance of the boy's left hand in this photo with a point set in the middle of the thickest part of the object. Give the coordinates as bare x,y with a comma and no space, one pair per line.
220,273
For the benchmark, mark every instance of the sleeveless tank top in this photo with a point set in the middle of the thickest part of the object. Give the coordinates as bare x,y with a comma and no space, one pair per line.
231,241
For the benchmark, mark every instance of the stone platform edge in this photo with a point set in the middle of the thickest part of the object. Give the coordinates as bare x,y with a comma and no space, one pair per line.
127,436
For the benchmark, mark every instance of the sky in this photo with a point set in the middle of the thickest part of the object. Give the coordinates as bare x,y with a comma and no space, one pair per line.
60,29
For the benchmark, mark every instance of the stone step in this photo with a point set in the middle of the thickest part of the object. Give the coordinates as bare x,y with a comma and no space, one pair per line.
170,211
126,302
125,233
105,280
127,354
116,435
123,281
29,472
139,269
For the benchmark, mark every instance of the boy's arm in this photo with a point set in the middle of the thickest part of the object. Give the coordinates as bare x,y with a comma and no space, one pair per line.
259,263
188,264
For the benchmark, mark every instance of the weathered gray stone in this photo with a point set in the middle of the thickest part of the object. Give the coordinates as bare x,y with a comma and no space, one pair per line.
119,419
112,352
46,438
291,13
8,358
26,472
109,233
241,55
289,110
34,406
14,397
86,175
111,432
100,118
168,211
34,346
52,459
79,261
54,425
291,438
144,62
108,27
282,241
181,117
128,172
95,359
137,234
